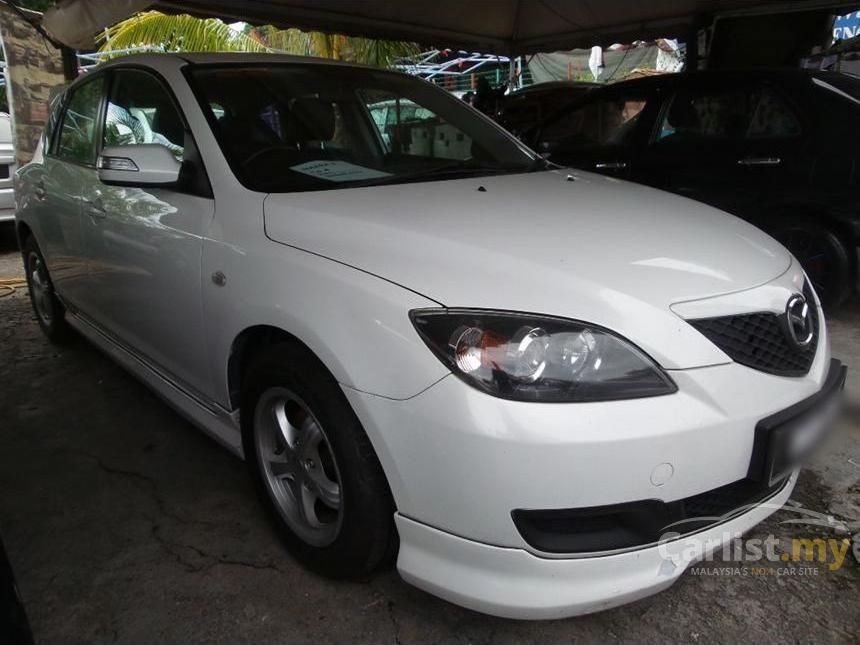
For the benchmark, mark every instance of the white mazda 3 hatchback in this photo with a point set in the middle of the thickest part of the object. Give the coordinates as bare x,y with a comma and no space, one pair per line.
534,387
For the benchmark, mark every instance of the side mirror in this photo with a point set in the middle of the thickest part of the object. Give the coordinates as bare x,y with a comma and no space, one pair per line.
148,164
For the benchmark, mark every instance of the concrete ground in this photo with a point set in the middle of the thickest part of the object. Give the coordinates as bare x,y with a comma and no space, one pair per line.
125,524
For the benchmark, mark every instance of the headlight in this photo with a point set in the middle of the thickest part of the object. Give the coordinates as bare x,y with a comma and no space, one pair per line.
539,358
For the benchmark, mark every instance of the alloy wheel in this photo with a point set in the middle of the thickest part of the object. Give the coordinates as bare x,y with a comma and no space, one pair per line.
40,287
298,466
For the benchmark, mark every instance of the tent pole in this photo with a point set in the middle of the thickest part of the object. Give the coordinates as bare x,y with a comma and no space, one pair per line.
70,63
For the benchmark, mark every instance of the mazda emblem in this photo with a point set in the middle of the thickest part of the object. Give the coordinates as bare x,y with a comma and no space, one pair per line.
798,321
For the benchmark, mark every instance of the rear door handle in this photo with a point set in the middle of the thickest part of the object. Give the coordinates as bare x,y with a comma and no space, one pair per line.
760,161
611,165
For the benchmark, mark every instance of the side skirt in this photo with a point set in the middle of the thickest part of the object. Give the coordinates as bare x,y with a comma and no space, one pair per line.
220,424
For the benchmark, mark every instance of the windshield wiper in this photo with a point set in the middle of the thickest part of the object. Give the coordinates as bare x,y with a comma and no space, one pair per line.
540,163
457,169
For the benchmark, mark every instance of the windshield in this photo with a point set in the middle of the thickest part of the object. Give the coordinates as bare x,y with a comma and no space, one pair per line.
298,127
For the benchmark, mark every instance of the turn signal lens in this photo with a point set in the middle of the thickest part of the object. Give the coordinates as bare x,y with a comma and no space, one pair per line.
538,358
117,163
468,350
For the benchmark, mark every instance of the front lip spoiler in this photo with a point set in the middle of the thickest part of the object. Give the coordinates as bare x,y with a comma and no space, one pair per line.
519,583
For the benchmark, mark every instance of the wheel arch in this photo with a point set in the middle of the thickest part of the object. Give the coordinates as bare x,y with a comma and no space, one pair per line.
778,216
785,215
254,339
22,232
245,346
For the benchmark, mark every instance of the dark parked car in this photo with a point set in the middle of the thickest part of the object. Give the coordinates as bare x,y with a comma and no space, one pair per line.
521,109
780,149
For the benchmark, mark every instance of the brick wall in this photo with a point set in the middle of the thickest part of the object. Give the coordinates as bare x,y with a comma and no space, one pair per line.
33,68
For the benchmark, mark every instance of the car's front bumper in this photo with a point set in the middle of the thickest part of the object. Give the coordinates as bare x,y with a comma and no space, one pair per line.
517,584
459,462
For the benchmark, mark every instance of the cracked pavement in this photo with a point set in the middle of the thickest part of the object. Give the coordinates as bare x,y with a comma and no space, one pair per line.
126,524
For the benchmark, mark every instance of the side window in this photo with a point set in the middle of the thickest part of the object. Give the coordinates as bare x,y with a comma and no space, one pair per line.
706,114
411,129
772,117
139,111
606,121
78,131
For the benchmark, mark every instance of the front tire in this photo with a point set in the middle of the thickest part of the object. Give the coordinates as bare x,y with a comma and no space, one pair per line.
313,465
50,312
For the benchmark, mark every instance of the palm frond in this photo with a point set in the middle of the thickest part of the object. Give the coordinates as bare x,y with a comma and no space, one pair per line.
176,33
292,41
190,34
381,53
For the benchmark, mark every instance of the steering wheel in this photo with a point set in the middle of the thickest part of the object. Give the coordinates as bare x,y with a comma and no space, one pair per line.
267,150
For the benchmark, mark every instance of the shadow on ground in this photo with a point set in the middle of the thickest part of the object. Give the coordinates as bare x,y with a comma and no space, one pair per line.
8,243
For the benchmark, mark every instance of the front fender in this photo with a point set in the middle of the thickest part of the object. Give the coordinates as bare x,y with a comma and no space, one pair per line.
357,324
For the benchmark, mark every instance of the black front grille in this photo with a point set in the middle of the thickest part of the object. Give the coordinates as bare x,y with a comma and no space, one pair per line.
760,341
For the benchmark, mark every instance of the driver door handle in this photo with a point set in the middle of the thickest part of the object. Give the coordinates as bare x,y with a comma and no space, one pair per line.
611,165
39,191
760,161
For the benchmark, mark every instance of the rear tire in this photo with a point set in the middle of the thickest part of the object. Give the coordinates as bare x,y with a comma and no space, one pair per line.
50,312
313,465
825,258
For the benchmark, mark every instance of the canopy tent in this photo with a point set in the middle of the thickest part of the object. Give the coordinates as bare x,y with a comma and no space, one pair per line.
618,63
508,27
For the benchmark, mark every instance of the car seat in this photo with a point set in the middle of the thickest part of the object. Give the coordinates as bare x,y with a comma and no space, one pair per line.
311,125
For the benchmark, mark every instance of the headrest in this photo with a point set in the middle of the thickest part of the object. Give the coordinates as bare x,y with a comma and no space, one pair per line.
312,119
683,114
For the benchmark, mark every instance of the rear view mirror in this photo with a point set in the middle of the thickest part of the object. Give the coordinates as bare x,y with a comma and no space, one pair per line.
547,148
148,164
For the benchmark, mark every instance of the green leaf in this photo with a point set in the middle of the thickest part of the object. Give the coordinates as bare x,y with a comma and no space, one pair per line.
177,33
187,33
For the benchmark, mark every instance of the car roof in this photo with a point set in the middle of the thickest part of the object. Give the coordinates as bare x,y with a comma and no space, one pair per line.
554,85
161,62
182,58
670,80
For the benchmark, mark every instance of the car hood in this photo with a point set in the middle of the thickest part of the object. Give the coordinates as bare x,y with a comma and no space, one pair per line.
565,243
